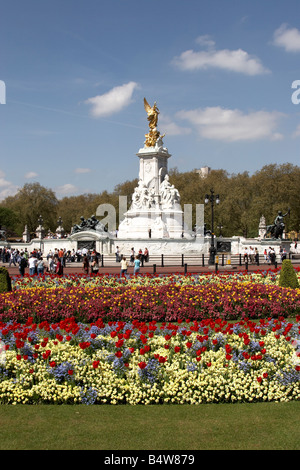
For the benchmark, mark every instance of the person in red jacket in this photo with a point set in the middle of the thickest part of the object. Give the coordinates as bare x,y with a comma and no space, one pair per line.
59,267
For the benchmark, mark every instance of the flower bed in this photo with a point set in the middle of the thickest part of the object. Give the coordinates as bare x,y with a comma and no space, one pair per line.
162,302
208,361
94,340
75,280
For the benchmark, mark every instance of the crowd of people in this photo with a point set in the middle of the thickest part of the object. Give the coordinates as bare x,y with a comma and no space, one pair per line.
251,255
270,255
35,261
55,261
136,260
142,256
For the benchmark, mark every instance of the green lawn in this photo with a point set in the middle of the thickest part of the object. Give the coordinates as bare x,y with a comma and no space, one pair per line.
256,426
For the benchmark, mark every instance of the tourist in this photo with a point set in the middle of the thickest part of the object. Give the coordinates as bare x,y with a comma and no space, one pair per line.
22,264
137,265
271,256
61,256
124,266
58,266
13,255
78,255
117,253
32,264
283,254
132,255
146,255
51,266
94,265
40,266
246,255
4,255
251,254
85,264
84,251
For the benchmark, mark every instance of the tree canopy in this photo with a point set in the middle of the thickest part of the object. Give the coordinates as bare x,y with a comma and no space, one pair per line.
243,200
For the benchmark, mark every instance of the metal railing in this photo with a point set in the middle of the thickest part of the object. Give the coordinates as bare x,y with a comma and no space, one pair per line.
189,261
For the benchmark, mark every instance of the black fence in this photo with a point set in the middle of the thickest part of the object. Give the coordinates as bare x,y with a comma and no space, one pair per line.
188,261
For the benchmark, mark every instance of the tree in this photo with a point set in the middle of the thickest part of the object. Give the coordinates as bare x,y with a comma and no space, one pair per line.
277,187
238,218
8,221
243,200
29,203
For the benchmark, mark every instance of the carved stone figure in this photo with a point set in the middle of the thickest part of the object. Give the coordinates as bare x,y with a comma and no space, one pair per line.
276,229
262,228
90,224
78,228
143,197
169,194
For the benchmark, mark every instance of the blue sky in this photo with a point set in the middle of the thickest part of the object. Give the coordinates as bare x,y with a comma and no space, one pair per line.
76,73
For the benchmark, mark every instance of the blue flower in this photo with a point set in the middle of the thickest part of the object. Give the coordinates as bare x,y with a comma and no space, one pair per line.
150,372
89,396
60,372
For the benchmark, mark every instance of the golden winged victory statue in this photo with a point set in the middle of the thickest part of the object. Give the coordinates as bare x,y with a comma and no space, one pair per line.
153,134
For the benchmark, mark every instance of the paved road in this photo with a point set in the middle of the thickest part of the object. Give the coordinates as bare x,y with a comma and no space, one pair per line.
76,268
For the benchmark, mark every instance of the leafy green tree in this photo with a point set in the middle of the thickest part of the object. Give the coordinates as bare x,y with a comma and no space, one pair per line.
243,200
236,207
8,221
277,187
29,203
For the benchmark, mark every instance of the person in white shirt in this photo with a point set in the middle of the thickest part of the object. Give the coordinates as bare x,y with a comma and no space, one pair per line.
251,254
40,266
124,266
32,262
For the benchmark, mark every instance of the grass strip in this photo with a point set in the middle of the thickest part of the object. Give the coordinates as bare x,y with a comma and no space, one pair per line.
254,426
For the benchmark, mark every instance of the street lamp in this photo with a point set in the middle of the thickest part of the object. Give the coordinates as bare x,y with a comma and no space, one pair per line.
212,199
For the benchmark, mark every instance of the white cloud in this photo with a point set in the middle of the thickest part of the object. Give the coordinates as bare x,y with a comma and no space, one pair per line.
30,174
82,170
6,187
232,125
9,191
205,40
113,101
66,189
288,38
233,60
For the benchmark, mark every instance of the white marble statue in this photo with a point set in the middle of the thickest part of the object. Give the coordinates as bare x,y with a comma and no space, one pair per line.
169,194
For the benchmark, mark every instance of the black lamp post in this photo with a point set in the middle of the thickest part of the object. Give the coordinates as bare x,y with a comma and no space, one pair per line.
212,199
